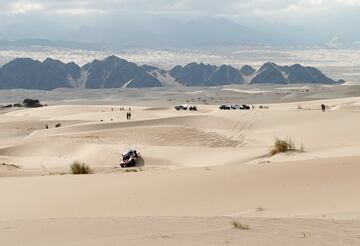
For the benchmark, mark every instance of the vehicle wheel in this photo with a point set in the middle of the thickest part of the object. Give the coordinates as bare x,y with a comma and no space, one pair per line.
132,163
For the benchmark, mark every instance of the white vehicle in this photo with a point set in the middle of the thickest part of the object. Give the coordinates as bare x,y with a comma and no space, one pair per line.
181,107
236,106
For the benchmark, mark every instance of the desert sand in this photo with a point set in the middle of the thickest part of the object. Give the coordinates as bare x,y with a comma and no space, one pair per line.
201,171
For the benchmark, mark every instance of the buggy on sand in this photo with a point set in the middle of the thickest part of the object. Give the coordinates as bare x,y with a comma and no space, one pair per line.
129,158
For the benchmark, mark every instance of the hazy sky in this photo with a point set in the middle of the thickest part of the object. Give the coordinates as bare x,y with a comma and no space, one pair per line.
335,18
271,9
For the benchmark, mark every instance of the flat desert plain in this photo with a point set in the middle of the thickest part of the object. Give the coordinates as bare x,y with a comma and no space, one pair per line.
205,178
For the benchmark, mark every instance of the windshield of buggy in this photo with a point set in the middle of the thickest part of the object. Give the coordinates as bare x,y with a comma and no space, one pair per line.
127,156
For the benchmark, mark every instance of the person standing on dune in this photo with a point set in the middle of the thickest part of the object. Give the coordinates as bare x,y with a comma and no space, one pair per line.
323,107
128,116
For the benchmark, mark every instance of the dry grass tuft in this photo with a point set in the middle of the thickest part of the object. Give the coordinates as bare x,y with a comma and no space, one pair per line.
283,146
240,226
78,168
12,166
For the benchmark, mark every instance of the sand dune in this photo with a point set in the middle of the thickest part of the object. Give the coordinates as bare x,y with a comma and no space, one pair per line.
200,171
246,135
304,189
179,231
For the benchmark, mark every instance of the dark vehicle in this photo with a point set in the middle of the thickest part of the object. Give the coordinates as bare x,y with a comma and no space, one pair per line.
181,107
245,107
32,103
225,107
193,108
129,158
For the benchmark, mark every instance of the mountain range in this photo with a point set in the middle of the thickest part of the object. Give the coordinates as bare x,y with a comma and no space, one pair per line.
114,72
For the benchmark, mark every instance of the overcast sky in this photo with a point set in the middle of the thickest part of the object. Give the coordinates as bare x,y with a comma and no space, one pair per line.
341,15
274,9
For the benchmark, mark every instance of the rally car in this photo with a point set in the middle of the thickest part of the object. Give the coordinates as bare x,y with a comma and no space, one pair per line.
129,158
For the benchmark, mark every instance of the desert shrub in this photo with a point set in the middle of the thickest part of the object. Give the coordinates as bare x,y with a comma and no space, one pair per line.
78,168
282,146
240,226
12,166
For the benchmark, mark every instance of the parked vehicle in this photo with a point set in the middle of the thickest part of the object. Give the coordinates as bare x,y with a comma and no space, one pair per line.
129,158
245,107
181,107
225,107
240,107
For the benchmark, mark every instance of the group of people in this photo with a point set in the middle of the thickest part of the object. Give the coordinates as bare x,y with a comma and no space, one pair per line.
128,113
120,109
56,126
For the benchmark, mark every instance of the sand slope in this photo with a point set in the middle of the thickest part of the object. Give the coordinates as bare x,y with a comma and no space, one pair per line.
179,231
200,171
325,188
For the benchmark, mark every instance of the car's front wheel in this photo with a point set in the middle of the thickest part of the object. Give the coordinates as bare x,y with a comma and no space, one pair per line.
132,163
